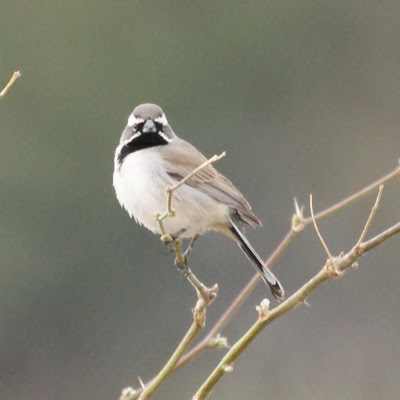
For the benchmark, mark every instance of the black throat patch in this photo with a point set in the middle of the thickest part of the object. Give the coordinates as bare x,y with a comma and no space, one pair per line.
144,141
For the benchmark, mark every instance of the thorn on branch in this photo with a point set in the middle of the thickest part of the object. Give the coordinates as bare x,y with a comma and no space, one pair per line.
298,220
141,382
14,77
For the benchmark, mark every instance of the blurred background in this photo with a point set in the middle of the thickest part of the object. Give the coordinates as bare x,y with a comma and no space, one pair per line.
303,96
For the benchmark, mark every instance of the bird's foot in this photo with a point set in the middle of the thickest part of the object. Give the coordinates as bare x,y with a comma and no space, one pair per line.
181,263
170,241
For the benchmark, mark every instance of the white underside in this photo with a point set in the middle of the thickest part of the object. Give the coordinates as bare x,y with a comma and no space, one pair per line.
140,184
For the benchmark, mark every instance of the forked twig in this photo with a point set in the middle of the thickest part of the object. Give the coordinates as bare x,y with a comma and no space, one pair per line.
342,262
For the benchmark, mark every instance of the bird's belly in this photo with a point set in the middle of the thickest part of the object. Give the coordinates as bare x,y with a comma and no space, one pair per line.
141,185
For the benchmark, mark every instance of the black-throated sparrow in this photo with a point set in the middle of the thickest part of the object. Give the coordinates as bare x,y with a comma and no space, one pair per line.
150,157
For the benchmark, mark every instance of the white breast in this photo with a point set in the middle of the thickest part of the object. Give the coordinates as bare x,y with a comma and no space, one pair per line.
140,185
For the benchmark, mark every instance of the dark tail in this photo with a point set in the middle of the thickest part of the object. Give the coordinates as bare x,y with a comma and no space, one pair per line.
268,277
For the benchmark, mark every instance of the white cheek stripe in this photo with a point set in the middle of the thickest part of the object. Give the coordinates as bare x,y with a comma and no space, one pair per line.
133,137
165,137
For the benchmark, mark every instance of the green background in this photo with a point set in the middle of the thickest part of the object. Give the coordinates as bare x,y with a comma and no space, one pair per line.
304,96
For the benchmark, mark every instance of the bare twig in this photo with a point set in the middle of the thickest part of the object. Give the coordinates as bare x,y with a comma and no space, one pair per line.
317,230
199,315
371,215
14,77
342,262
299,222
355,196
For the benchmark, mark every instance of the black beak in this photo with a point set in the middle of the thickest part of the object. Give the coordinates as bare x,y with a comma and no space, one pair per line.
149,127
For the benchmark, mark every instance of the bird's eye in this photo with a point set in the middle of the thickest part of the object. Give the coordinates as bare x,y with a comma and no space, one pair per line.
134,127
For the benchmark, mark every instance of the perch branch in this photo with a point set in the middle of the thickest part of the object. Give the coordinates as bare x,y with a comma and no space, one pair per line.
205,297
170,213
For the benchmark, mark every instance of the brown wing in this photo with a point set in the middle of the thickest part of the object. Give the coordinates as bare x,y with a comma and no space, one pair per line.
183,158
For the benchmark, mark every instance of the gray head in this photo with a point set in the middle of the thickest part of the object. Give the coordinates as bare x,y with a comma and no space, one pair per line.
148,111
147,119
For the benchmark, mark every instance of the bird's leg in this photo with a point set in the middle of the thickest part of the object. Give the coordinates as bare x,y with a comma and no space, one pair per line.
190,247
174,246
181,260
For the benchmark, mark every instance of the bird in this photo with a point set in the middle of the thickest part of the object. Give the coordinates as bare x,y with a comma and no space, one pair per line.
150,157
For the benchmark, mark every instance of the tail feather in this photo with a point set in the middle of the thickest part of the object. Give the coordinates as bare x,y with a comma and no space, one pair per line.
266,274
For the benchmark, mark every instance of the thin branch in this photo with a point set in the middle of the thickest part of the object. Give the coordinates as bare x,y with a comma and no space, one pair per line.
355,196
371,215
199,316
317,230
342,262
14,77
163,374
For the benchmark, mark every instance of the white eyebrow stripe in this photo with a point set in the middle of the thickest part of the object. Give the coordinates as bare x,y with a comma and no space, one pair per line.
132,120
162,120
165,137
